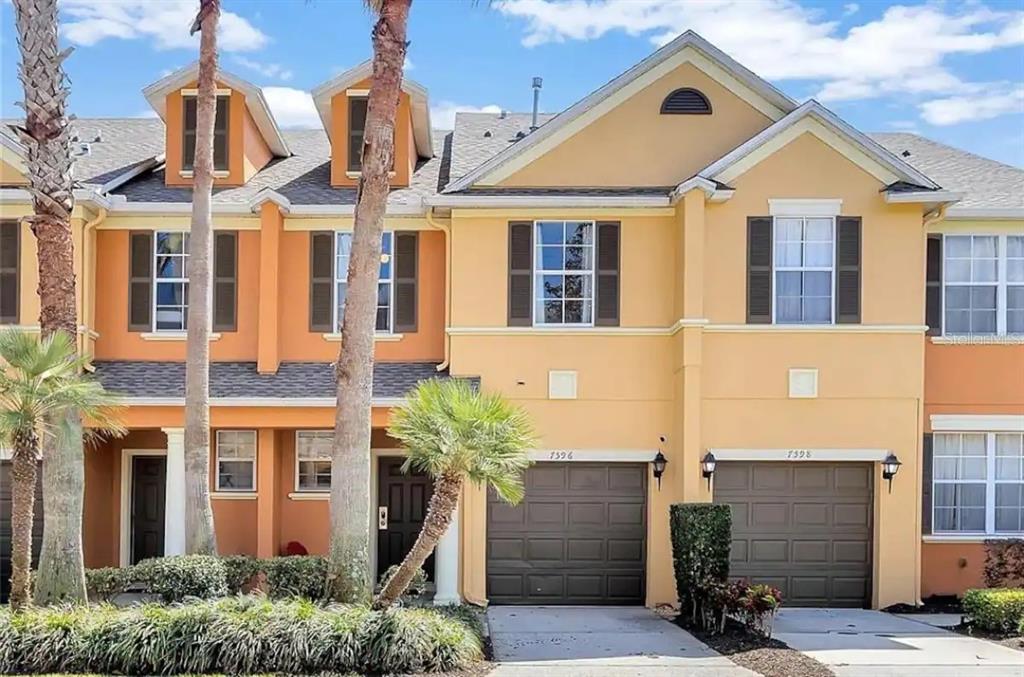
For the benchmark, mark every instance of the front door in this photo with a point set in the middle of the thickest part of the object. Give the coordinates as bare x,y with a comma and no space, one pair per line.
149,477
405,498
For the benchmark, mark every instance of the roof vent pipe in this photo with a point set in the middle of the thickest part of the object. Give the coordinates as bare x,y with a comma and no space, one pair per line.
537,82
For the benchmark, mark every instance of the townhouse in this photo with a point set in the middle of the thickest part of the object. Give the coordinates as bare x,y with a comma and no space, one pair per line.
699,289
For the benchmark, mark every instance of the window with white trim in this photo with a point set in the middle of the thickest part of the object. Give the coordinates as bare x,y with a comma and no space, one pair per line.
313,460
385,287
804,269
236,460
978,483
983,284
170,272
563,273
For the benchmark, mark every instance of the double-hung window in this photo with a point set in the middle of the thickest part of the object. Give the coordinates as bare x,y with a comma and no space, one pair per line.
220,132
313,460
978,483
804,270
385,287
564,273
170,298
236,460
983,284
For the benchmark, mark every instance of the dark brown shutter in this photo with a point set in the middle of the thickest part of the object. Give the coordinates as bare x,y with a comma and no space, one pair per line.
220,133
606,313
321,281
933,286
759,270
848,246
406,272
10,256
140,281
520,273
225,280
188,138
926,485
356,126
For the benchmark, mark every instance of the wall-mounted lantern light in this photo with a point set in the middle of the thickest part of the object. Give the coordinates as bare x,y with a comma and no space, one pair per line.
659,464
890,466
707,467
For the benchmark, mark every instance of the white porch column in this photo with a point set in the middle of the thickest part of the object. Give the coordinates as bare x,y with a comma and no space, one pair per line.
446,565
174,493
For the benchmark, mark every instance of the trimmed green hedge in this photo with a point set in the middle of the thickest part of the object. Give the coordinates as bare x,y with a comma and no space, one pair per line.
995,609
701,533
234,636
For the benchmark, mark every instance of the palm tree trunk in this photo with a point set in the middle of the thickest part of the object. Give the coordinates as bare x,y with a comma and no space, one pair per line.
47,135
23,481
439,516
348,575
199,529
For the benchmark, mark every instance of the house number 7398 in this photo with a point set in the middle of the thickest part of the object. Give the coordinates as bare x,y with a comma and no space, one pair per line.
560,456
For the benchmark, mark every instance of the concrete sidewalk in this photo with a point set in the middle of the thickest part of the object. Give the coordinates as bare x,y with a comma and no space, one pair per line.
598,642
862,643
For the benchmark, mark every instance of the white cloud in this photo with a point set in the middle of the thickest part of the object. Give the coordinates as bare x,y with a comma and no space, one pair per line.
442,114
1000,99
902,51
292,107
268,70
408,65
164,24
850,8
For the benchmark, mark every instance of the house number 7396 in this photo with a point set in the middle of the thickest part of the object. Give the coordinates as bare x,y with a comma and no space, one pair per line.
798,454
560,456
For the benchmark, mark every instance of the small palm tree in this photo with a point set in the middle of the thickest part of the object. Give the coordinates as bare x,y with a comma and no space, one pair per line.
40,381
454,433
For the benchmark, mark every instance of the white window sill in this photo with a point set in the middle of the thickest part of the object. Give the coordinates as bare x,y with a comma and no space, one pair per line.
979,340
968,538
310,495
233,495
379,337
172,336
217,174
356,175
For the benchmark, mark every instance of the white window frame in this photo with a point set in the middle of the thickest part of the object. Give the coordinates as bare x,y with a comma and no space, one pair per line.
1001,283
776,269
174,280
342,275
537,270
299,433
236,460
990,483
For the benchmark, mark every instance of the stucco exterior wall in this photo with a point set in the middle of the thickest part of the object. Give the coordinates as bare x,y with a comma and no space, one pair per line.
405,153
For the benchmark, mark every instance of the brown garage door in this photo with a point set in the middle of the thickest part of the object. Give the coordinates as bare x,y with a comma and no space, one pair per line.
577,538
803,527
5,527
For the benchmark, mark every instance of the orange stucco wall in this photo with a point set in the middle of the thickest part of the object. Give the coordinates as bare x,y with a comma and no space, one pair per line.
405,153
951,568
974,379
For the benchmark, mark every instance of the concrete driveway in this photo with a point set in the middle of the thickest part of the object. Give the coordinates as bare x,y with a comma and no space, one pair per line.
598,642
861,643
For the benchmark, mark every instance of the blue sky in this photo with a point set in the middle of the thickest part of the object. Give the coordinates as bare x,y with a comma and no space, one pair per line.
952,71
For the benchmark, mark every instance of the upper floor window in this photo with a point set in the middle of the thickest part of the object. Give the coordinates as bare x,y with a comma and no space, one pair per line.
983,284
236,460
686,101
385,287
804,269
220,133
170,300
564,273
10,259
313,460
978,483
356,126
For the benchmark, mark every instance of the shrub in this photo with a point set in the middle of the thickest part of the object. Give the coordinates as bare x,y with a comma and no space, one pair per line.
296,576
107,582
755,605
995,609
246,634
1004,563
179,577
701,533
240,572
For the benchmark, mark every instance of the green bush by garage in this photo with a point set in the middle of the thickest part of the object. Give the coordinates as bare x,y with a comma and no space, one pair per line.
998,610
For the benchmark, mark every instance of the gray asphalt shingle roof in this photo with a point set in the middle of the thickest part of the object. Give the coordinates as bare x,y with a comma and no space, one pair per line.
985,183
240,379
480,136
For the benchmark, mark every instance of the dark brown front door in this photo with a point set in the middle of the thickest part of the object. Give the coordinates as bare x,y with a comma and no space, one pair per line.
5,526
803,527
406,498
148,496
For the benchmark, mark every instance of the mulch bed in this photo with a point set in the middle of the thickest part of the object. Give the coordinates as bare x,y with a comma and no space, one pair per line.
1010,641
768,657
936,604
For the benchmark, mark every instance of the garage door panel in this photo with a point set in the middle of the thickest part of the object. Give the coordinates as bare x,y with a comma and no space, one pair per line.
578,538
804,528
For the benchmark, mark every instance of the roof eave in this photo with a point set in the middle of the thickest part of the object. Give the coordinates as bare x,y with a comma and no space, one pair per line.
965,213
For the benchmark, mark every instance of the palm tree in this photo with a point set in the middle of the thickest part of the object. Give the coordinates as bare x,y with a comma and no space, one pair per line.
199,529
454,433
41,381
47,136
348,576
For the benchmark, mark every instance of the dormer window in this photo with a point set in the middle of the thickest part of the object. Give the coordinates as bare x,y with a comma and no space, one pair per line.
686,101
356,126
220,133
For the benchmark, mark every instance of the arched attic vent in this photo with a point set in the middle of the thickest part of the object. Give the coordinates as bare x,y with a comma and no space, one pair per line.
686,101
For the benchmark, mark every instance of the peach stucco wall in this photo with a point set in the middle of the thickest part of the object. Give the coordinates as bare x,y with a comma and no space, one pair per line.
951,568
405,153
